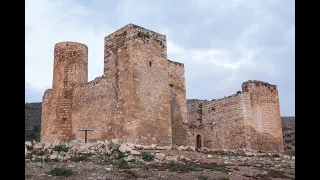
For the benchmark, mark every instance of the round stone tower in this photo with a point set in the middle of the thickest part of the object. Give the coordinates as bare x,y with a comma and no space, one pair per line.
70,65
70,69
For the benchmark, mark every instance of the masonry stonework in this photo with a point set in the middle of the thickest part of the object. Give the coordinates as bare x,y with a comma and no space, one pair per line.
130,101
178,103
141,98
246,120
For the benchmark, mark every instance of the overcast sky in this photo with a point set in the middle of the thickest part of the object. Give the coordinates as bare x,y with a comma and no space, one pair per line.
221,42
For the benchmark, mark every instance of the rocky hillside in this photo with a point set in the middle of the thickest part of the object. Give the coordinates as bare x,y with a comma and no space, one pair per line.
32,121
288,128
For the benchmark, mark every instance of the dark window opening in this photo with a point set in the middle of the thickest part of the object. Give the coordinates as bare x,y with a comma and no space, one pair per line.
216,134
150,64
213,109
199,145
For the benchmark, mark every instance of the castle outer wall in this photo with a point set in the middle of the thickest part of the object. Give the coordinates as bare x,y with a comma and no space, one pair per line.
249,120
141,98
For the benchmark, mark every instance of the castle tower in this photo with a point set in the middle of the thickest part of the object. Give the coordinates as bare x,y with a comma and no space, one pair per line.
70,68
263,120
136,63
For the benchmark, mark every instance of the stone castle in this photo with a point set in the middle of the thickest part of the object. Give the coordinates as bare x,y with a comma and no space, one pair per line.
141,98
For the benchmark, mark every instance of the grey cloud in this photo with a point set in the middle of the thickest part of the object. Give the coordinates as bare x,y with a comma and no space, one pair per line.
262,27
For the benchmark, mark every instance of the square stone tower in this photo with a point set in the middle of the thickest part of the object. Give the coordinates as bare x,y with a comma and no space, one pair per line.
136,64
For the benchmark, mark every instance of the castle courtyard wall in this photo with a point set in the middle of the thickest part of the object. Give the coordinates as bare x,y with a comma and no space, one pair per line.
221,123
93,108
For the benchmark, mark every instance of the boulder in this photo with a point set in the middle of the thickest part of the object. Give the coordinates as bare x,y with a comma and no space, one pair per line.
129,158
147,147
124,148
28,143
37,147
25,151
53,156
161,148
153,146
160,156
286,157
134,152
172,158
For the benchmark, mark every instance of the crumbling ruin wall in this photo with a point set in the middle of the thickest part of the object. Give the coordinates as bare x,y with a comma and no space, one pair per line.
93,108
70,69
220,123
47,115
262,116
136,64
249,119
178,103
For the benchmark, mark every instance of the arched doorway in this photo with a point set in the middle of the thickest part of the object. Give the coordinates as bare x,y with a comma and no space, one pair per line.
199,144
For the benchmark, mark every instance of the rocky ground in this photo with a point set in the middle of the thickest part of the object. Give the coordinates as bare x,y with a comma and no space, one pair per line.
113,160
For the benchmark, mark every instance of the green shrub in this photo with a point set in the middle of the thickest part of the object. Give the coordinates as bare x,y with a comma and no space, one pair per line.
61,172
148,157
29,148
121,155
61,148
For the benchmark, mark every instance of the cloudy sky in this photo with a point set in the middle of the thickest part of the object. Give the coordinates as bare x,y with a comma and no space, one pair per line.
221,42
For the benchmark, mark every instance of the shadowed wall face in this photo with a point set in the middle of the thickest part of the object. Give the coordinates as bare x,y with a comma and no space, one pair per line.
178,103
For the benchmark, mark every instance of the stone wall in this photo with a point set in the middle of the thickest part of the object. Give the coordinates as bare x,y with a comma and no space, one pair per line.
220,123
141,98
93,108
70,69
129,102
178,103
249,119
136,62
263,121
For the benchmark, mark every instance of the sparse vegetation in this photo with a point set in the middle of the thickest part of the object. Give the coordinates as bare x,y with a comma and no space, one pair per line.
123,164
29,148
121,155
61,148
61,172
79,158
147,157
